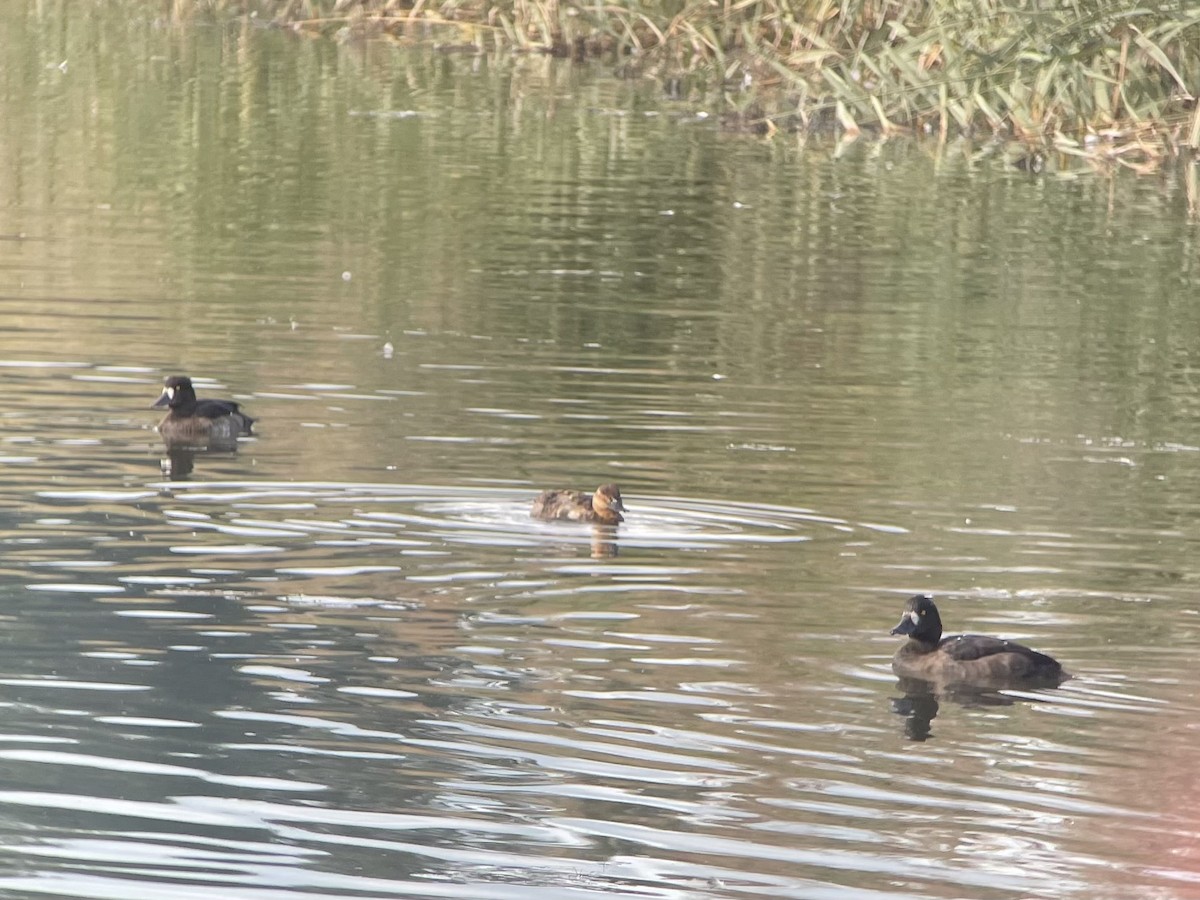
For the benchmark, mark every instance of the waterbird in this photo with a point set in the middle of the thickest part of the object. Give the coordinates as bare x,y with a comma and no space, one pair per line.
965,658
603,507
198,423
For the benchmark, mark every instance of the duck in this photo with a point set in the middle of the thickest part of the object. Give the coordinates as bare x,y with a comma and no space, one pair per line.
966,658
198,423
604,507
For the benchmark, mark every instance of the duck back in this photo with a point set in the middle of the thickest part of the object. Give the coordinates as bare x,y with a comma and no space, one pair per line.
573,505
996,656
978,659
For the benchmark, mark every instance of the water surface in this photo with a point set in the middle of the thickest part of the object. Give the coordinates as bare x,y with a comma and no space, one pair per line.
344,662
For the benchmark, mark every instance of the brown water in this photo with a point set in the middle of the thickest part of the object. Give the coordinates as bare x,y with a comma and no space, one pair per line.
343,662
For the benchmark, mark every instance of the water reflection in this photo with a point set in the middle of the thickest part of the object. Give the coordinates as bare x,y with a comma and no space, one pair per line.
920,702
345,661
180,459
679,712
604,541
374,647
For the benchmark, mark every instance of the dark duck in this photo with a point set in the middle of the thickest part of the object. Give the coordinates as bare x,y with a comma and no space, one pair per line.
966,658
604,507
199,423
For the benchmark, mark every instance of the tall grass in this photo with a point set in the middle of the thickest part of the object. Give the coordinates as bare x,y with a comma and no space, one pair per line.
1110,79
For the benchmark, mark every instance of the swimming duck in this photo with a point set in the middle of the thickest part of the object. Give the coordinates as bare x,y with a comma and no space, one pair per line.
967,658
604,506
199,423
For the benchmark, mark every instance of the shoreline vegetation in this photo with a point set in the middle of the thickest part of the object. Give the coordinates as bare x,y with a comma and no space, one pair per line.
1114,84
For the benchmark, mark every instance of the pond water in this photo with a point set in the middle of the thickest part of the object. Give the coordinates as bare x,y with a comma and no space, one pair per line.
344,662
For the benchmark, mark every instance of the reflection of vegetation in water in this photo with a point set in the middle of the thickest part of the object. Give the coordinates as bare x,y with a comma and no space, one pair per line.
1106,80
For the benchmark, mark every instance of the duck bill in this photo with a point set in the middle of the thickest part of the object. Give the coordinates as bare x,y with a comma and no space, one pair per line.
907,624
164,399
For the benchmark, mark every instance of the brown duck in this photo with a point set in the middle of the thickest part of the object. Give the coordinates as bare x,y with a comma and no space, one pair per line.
603,507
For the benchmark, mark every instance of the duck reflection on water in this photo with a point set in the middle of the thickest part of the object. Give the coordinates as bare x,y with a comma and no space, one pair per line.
920,702
179,462
604,541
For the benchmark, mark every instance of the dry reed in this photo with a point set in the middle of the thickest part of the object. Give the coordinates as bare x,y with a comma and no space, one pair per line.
1111,82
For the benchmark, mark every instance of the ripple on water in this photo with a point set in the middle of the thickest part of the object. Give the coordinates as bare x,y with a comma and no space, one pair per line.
498,515
529,719
359,541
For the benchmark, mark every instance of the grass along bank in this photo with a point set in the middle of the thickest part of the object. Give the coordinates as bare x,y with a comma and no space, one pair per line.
1109,82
